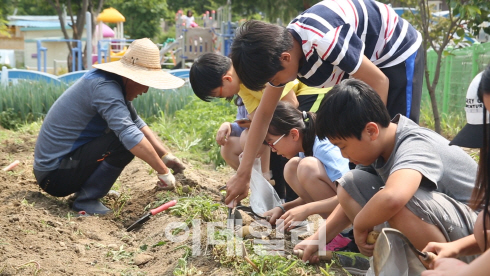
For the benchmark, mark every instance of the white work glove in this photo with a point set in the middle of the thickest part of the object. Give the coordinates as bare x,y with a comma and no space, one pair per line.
173,163
166,181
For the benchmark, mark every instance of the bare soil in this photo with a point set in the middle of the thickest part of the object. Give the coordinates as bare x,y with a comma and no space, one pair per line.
40,235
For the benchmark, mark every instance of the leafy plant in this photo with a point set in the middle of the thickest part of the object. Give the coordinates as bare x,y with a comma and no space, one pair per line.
117,204
199,207
120,254
194,127
184,269
262,264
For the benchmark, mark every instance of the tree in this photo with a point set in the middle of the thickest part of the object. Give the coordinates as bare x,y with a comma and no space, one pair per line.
26,7
142,16
439,32
79,8
285,10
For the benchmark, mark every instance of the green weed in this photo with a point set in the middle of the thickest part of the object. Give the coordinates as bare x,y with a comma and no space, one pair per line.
451,123
117,204
193,128
117,255
24,202
184,269
199,207
263,264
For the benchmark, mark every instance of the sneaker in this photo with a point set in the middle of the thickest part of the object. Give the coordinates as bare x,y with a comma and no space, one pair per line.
354,263
337,243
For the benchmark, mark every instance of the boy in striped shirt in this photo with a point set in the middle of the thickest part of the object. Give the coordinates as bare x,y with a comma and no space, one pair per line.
331,41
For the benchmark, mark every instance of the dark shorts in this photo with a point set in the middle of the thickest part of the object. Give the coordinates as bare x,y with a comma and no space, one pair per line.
454,219
405,90
78,166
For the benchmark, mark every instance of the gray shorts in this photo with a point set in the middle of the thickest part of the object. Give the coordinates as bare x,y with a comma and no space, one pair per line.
453,218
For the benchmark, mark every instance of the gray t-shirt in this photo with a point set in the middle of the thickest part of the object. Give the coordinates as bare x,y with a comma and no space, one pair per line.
89,108
446,169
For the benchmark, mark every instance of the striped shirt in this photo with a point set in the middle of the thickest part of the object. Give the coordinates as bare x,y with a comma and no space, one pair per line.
335,34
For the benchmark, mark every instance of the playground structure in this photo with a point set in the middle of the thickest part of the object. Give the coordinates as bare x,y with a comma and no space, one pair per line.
215,35
110,49
76,53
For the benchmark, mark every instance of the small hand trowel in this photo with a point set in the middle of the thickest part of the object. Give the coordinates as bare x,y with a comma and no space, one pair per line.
152,212
389,245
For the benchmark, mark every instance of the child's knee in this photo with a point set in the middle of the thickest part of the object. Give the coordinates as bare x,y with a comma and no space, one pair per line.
243,138
290,169
344,198
308,169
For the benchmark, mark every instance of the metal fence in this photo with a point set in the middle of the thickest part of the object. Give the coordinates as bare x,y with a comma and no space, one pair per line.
457,71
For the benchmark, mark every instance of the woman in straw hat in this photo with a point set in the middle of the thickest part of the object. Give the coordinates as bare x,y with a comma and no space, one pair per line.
93,131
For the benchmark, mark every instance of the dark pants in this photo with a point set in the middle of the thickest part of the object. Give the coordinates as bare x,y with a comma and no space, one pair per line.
405,89
78,166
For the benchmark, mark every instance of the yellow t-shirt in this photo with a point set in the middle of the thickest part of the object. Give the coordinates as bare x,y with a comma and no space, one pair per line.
251,99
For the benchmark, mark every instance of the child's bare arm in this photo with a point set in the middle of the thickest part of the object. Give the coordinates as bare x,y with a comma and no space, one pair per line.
290,97
238,185
399,189
370,74
463,247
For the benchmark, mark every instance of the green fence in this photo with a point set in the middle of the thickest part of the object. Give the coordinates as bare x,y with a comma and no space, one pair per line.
457,71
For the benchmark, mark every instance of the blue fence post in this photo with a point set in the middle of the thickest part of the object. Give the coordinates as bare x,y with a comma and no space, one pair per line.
38,55
79,46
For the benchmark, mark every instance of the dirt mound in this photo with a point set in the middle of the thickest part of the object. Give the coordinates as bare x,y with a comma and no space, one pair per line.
40,235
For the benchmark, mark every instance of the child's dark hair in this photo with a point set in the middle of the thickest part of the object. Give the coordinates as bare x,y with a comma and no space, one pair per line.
347,108
481,193
256,52
287,117
206,72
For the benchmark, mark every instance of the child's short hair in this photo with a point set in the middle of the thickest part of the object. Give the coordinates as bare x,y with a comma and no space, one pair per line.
256,50
206,72
347,108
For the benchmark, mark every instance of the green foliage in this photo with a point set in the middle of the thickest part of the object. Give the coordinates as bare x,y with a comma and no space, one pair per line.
26,102
157,103
451,123
440,32
184,269
268,264
9,119
117,255
199,207
25,7
193,128
142,16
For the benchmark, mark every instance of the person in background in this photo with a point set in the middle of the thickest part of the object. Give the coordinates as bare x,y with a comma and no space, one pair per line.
92,131
189,19
475,134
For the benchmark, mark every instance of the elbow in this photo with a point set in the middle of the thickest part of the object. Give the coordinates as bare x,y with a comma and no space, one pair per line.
394,204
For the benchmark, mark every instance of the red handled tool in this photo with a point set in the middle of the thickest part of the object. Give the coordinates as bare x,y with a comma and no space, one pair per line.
152,212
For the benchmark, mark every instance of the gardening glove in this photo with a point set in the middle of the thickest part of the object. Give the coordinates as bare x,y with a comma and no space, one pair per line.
173,163
166,181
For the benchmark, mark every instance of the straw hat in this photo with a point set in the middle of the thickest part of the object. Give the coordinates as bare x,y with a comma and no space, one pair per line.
141,63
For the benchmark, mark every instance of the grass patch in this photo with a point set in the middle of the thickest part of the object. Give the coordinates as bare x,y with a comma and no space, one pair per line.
198,207
192,130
